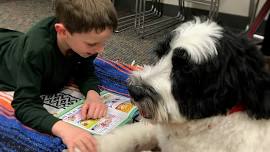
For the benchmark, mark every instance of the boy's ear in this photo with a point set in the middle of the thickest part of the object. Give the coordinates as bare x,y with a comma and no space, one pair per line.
60,29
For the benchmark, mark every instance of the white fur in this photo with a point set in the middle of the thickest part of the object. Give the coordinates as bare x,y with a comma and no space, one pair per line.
162,84
233,133
198,38
125,140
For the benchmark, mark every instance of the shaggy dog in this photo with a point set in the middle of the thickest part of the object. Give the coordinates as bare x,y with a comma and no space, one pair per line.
202,73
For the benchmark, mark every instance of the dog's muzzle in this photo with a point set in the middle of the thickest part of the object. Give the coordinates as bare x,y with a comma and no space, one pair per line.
143,96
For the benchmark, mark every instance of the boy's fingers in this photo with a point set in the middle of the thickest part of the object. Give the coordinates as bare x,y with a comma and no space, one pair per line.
105,112
84,111
93,140
100,114
102,111
90,144
77,150
96,113
80,146
91,112
70,148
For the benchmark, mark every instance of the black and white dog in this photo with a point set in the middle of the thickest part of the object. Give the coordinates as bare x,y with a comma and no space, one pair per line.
202,71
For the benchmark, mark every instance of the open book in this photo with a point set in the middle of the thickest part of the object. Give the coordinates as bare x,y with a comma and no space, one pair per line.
120,111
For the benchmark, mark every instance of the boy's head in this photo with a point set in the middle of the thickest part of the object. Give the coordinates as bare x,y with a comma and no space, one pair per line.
84,25
81,16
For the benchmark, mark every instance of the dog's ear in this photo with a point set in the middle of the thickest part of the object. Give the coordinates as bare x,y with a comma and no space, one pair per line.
180,57
163,47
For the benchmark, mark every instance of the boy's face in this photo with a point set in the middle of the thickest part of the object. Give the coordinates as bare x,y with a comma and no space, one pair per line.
90,43
85,44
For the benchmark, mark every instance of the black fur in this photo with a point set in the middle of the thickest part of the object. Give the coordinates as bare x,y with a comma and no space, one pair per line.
212,87
235,75
163,47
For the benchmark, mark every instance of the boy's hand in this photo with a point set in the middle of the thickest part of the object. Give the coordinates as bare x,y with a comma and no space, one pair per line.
74,137
93,106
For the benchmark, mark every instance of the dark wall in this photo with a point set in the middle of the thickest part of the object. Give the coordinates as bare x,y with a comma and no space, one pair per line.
125,5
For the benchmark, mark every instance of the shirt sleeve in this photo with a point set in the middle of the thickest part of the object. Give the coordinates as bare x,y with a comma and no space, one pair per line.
85,77
27,102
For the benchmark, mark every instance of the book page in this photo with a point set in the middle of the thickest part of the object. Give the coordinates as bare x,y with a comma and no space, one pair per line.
96,126
120,112
117,102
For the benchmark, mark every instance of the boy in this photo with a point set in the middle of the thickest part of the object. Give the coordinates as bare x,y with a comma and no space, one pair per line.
44,59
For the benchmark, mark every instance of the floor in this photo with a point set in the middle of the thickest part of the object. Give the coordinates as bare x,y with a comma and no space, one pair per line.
124,46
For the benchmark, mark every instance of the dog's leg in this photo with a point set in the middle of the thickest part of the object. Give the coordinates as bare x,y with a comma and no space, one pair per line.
130,138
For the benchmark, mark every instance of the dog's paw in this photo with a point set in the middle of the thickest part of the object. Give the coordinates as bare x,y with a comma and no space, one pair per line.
113,142
130,138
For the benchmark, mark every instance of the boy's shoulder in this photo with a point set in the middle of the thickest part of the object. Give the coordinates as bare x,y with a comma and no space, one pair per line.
43,29
42,36
44,24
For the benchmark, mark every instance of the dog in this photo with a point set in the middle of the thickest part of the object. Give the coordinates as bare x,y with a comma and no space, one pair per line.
202,72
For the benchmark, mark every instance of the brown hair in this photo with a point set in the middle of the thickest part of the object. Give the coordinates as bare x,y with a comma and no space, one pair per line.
85,15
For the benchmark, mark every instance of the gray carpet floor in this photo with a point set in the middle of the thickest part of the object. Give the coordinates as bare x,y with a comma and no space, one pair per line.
124,46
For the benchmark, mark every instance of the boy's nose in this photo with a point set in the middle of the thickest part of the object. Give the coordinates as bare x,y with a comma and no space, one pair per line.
100,50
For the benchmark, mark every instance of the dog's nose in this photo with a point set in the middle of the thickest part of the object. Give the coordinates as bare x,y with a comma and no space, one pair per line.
136,92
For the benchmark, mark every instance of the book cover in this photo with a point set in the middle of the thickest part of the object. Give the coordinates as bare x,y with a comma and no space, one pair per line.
120,111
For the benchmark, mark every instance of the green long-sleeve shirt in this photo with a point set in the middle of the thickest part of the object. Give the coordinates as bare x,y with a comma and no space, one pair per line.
32,64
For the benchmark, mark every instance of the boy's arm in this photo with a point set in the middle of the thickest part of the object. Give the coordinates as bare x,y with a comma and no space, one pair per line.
27,102
88,83
74,137
85,76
